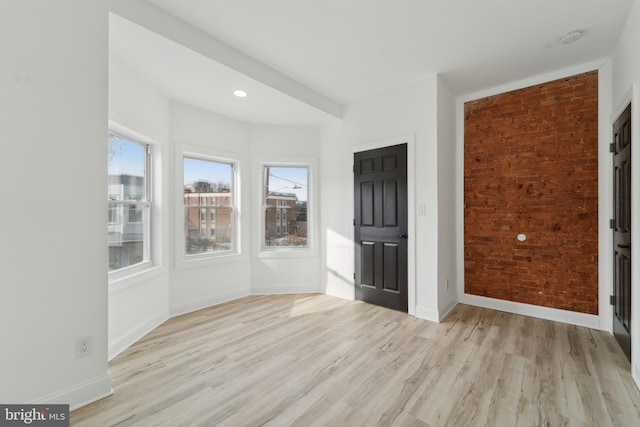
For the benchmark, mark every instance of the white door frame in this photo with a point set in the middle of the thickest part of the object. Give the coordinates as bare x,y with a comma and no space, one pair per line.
411,203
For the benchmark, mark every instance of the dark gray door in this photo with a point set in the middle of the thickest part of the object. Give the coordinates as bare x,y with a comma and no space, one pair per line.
622,230
380,190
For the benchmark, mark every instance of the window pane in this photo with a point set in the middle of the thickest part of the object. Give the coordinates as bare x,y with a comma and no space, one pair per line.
206,177
208,233
114,214
285,220
127,164
135,214
209,204
127,237
128,222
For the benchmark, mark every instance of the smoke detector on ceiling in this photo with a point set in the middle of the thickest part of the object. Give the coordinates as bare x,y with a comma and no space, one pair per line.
571,37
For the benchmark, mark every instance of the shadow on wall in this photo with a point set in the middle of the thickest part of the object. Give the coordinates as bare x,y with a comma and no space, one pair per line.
340,265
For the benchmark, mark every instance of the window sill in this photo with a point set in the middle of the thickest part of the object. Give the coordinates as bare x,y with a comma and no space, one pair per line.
204,260
288,253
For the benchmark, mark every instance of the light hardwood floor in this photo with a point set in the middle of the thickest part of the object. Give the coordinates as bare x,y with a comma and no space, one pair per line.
306,360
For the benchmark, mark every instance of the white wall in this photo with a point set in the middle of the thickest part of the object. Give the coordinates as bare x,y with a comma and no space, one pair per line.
137,305
605,199
407,110
624,59
53,116
196,285
278,272
625,68
447,268
336,209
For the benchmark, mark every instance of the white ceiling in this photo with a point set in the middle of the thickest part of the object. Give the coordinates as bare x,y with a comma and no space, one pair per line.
348,50
186,76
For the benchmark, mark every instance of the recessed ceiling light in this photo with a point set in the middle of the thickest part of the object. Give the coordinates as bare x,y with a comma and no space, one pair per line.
240,93
571,37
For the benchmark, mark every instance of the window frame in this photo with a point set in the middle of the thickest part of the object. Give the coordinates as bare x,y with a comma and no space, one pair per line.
148,214
310,250
184,260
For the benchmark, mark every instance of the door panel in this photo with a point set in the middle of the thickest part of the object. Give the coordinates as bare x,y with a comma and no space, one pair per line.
380,193
368,263
390,203
391,267
366,203
622,231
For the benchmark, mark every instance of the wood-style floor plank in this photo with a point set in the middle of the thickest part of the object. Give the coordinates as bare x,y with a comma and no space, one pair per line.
314,360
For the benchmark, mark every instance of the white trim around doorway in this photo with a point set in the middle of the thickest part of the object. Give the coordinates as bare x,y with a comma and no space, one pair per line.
411,203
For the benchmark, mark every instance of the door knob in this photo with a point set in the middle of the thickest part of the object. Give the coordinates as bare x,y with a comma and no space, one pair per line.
403,236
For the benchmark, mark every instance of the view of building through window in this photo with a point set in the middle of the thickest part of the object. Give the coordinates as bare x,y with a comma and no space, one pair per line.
129,206
285,206
208,206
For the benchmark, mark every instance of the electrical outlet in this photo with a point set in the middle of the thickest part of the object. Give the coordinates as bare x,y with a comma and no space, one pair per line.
84,346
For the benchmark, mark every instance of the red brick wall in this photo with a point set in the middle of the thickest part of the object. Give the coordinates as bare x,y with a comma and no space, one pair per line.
531,166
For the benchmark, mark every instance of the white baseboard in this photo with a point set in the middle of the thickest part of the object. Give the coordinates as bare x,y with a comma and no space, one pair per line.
123,342
81,394
435,315
279,290
205,302
635,374
571,317
447,309
427,314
